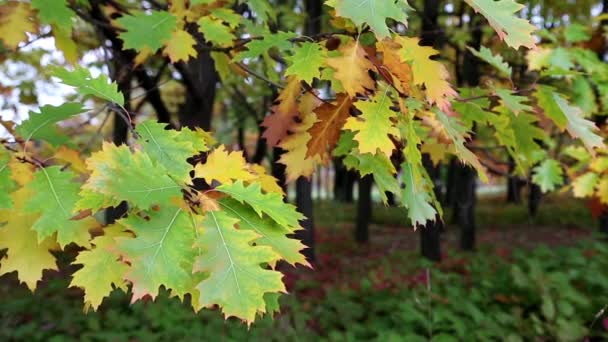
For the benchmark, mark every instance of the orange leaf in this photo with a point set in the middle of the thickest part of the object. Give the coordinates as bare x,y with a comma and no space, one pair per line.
282,118
393,64
326,131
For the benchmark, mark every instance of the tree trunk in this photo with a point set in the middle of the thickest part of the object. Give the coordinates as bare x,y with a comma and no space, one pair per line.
465,196
303,186
535,195
430,246
465,206
277,169
430,233
200,78
514,184
603,223
364,209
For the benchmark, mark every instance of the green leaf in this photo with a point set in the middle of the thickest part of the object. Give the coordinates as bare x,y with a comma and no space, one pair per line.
161,253
345,144
457,134
520,135
576,33
548,175
513,102
101,269
237,282
271,233
169,147
271,204
496,61
119,175
228,16
55,12
86,85
42,125
383,171
257,47
373,13
147,31
306,61
262,9
514,30
415,196
215,31
7,184
583,96
54,196
568,117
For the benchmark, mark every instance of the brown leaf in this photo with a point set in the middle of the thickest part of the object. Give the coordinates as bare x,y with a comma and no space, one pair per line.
283,114
326,131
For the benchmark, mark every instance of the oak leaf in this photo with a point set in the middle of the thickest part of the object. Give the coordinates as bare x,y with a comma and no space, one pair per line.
283,113
330,120
351,69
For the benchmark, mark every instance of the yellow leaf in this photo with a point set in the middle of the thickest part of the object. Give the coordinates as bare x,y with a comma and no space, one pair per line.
295,160
602,190
65,43
374,126
430,73
539,58
435,150
25,255
22,173
351,69
268,182
66,154
180,47
224,167
16,18
143,55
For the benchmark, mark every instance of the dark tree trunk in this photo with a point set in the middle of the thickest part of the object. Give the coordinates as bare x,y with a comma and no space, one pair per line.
430,243
430,29
200,78
305,206
603,223
339,177
303,186
514,184
430,232
364,209
430,246
344,182
277,169
534,197
465,196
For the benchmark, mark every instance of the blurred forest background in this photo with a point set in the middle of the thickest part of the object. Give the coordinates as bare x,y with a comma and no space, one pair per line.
508,262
